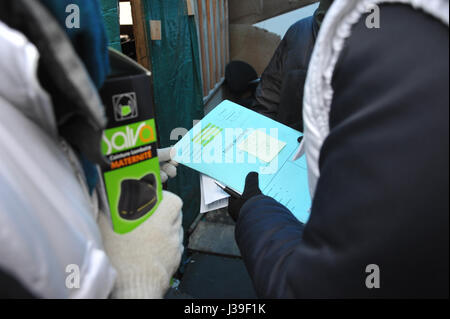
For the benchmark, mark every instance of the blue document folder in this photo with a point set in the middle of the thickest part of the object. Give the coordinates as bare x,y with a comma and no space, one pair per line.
221,146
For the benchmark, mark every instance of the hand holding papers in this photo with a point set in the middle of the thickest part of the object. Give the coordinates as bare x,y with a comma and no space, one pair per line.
232,141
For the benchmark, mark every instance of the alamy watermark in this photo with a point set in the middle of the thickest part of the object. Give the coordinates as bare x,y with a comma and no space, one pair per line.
373,279
73,17
73,277
213,144
373,19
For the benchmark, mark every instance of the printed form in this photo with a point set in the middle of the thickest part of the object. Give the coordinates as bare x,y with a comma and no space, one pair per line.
232,141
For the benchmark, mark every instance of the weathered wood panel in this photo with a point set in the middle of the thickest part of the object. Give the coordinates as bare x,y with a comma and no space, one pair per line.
253,11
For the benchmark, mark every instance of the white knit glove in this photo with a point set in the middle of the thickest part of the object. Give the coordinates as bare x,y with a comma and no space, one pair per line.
146,258
168,166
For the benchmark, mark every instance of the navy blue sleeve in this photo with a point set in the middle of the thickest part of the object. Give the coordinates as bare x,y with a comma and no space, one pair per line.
267,234
382,197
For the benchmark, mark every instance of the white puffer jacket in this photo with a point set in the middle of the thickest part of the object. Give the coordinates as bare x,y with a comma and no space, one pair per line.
48,221
46,217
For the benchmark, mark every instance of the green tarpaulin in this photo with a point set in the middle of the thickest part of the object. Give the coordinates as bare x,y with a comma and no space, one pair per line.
177,88
110,12
177,83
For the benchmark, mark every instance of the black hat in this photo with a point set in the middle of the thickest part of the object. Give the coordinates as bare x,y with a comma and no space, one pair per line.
239,75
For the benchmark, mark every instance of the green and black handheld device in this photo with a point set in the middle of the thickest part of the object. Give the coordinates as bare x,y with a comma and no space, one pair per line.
131,181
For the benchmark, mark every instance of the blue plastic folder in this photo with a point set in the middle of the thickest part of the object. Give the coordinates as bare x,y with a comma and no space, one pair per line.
218,146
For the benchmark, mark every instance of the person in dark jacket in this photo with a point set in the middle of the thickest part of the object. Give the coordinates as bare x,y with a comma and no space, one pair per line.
279,95
380,214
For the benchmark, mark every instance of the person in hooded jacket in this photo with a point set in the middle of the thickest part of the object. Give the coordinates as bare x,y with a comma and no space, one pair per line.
376,122
279,93
52,230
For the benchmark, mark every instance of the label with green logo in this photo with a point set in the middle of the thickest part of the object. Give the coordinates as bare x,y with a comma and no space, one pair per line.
132,180
126,110
126,137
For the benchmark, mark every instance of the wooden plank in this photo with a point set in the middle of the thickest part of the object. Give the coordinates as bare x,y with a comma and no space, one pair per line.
217,39
201,29
253,11
197,27
219,42
227,31
213,41
142,51
222,36
207,58
210,45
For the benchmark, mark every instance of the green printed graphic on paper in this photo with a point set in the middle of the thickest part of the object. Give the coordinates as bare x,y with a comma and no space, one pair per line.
207,134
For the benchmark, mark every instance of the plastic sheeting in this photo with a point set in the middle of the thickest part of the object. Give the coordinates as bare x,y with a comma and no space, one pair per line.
110,12
177,88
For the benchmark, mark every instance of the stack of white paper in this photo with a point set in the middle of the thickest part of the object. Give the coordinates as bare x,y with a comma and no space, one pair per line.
212,196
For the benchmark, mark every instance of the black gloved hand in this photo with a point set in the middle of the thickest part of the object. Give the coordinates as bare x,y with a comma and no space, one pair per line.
251,190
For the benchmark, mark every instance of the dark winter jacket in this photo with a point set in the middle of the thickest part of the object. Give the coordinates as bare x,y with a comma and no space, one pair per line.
280,93
382,196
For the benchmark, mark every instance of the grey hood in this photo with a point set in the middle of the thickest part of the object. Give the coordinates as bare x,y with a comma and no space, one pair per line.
78,110
48,229
20,85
